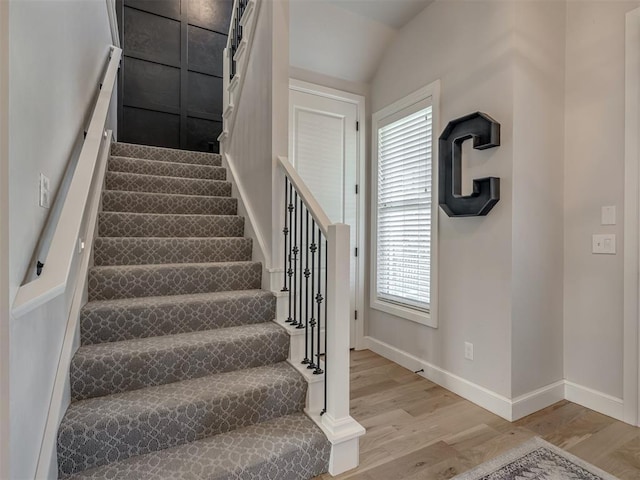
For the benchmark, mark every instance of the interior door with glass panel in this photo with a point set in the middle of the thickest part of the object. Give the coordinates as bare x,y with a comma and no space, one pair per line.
323,149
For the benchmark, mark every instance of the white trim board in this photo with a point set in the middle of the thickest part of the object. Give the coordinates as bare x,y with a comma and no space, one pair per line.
509,409
5,306
359,101
260,253
631,358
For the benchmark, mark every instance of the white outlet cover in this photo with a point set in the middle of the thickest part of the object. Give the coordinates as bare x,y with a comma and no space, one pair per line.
468,350
44,191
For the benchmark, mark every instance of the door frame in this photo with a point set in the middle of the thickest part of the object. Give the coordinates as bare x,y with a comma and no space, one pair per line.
631,329
359,102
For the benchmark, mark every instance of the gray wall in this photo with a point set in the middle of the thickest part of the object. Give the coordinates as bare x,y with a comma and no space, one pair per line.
57,53
475,66
594,176
537,232
4,240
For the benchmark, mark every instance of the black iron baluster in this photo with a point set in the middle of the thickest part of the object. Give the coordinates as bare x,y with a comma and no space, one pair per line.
326,325
290,208
319,299
312,321
294,239
306,295
238,17
285,231
301,250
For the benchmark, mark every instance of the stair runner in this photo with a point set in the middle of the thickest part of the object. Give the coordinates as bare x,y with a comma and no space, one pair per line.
181,372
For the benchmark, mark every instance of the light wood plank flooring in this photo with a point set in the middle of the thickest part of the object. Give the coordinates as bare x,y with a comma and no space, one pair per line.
418,430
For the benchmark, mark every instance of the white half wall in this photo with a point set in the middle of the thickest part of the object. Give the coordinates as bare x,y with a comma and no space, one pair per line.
475,67
54,78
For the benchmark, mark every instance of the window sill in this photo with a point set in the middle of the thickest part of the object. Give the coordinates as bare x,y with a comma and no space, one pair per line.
417,316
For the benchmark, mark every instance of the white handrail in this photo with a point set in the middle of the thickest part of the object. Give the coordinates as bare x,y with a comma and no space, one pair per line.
54,277
312,204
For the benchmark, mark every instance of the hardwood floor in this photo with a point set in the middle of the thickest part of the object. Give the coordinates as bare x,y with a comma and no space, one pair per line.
418,430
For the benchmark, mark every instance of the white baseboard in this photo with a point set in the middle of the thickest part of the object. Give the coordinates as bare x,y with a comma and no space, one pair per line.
595,400
500,405
537,400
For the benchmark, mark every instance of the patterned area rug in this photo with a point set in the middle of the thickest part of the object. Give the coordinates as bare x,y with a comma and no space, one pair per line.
535,460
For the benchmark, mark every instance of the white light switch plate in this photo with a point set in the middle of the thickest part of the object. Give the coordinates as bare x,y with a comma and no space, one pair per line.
604,244
608,215
44,191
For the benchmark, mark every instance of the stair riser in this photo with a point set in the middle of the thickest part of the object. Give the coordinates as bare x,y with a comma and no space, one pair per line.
165,169
108,283
182,186
138,432
115,224
152,251
112,324
165,154
120,371
135,202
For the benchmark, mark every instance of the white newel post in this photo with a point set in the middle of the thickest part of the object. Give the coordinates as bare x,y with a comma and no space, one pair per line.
337,330
343,431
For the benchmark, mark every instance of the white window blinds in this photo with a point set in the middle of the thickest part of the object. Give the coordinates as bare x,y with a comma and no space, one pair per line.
404,208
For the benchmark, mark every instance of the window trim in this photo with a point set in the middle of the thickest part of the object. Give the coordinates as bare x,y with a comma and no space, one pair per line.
404,311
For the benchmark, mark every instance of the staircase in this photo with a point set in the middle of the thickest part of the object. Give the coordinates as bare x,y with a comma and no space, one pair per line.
181,372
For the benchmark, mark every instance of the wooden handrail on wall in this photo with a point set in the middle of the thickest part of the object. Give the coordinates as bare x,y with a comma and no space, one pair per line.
64,243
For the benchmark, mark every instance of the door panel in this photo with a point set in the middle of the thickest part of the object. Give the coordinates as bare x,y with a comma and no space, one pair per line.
171,74
323,149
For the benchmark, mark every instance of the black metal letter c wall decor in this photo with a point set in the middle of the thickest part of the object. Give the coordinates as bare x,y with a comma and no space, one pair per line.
485,132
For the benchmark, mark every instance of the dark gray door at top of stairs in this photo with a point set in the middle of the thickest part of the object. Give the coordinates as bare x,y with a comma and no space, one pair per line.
171,76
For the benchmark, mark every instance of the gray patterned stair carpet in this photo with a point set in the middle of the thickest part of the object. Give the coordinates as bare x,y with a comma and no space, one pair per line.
181,373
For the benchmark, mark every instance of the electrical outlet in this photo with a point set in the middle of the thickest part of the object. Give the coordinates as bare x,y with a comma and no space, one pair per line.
468,350
44,191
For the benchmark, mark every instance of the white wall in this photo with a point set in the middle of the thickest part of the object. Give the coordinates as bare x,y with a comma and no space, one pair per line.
250,144
475,66
538,153
594,177
54,77
335,41
4,240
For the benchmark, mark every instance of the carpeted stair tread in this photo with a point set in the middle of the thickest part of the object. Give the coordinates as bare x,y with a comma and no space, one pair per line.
129,224
290,447
137,182
165,169
125,319
118,426
129,281
155,250
108,368
143,202
165,154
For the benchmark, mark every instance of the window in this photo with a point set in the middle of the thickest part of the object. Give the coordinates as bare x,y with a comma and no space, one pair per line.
405,210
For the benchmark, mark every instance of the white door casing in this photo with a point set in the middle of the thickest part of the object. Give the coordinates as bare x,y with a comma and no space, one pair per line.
631,346
326,148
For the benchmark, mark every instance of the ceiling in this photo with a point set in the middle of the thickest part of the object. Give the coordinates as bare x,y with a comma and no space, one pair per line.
392,13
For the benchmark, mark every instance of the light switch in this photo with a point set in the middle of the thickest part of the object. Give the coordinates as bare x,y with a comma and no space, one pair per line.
44,191
608,215
604,244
